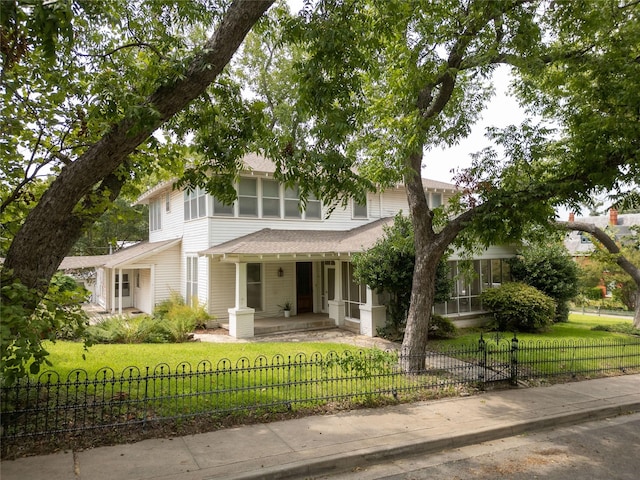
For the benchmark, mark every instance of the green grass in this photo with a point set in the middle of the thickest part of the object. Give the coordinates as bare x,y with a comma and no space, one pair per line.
566,348
579,327
282,373
68,356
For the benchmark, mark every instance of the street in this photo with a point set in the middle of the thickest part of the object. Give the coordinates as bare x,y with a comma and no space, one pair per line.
606,449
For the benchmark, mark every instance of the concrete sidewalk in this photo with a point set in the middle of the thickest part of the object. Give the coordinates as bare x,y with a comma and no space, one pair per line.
305,447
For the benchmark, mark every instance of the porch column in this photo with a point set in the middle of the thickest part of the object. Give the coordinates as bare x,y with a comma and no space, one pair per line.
372,315
336,306
113,290
241,317
152,287
120,291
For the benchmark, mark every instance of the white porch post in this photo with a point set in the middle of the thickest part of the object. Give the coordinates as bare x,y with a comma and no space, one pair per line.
372,315
113,290
120,291
336,306
241,317
153,287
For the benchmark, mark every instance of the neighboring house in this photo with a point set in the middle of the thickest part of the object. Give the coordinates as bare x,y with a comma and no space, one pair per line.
243,261
618,224
579,244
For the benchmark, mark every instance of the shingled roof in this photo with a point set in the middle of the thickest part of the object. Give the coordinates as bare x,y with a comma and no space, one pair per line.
120,258
302,242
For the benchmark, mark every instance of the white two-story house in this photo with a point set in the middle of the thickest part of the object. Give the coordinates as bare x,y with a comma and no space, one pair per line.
245,261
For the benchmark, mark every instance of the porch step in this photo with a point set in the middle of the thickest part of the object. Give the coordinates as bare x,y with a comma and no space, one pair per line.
292,325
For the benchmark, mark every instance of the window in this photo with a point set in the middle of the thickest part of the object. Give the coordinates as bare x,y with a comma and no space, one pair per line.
220,209
254,286
270,198
359,209
436,200
314,207
167,202
248,197
192,281
195,204
292,203
584,238
354,294
155,215
125,285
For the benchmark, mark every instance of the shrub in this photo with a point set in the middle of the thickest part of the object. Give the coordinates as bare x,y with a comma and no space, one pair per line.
178,320
626,328
550,269
519,307
441,327
127,329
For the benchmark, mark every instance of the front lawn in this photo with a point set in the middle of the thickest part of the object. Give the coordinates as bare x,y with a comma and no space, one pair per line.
68,356
579,327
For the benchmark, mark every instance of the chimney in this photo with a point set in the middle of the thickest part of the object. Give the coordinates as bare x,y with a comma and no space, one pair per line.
613,216
572,217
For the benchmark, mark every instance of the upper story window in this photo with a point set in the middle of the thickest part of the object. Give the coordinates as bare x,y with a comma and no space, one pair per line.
248,197
360,209
436,200
167,202
292,203
314,207
219,208
195,204
155,215
270,198
257,197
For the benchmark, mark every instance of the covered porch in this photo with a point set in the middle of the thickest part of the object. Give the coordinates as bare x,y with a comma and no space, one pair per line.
307,270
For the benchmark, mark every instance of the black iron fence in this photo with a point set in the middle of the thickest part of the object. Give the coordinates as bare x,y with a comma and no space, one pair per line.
50,405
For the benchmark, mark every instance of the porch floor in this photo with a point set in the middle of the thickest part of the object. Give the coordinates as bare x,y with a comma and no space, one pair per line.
302,322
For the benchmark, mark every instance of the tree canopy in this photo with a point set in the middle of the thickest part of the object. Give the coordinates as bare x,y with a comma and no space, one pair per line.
84,86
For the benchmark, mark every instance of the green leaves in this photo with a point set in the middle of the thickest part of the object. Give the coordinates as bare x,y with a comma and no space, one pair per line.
22,330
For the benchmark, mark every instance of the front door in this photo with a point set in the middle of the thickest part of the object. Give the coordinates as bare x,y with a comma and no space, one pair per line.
304,287
127,300
329,286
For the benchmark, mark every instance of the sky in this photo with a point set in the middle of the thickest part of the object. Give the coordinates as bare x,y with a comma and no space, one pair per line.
501,111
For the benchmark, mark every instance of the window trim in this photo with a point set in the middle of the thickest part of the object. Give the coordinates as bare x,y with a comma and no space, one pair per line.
191,283
155,215
255,197
356,205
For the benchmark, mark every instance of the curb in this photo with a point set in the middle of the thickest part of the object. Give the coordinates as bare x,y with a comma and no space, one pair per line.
373,455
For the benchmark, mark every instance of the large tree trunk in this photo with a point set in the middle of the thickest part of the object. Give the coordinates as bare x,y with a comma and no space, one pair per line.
54,225
430,248
423,287
612,247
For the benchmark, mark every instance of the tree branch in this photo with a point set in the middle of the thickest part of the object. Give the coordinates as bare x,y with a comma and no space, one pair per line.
607,242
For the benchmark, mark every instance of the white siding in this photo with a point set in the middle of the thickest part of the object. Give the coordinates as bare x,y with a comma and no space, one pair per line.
493,252
167,276
222,289
172,221
142,290
278,290
393,201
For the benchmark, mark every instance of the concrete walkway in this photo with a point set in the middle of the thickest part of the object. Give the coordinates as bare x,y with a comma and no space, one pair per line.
307,447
